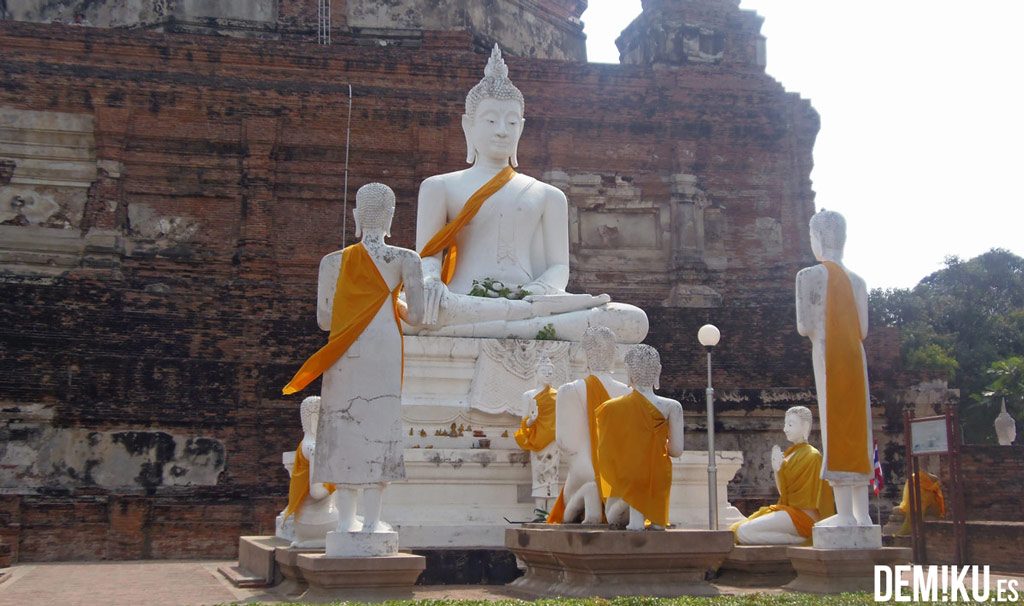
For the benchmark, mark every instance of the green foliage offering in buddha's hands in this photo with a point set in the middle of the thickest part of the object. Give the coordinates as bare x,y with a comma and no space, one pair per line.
494,289
965,322
547,333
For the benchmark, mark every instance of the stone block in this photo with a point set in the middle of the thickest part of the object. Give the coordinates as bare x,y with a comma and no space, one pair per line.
757,565
840,570
287,562
574,561
847,537
361,544
257,565
396,570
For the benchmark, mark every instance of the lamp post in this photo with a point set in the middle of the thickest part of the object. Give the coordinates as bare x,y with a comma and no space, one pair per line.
709,335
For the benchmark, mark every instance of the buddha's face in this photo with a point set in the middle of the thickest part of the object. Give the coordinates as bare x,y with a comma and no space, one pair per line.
495,129
796,429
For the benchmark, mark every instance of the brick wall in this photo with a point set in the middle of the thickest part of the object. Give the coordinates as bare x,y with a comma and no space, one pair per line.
993,482
191,303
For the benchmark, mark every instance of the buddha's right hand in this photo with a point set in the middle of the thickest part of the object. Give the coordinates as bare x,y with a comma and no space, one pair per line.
434,291
777,458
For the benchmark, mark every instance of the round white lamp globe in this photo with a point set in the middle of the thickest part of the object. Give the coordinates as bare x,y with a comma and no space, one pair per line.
709,335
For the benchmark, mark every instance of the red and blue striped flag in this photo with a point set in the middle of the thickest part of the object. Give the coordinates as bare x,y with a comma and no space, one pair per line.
878,481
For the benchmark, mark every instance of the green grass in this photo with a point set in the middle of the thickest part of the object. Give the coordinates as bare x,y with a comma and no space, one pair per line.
753,599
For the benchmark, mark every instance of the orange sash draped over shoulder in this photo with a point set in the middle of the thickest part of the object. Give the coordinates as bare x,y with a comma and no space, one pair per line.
359,294
633,451
538,436
298,486
800,488
445,238
846,388
596,396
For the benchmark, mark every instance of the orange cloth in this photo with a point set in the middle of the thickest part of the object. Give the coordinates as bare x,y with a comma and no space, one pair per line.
596,396
445,238
538,436
846,388
931,496
359,294
298,487
800,488
633,450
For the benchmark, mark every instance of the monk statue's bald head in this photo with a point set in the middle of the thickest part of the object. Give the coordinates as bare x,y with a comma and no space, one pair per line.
828,235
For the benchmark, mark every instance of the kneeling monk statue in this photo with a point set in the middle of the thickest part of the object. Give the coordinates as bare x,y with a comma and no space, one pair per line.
495,243
637,433
804,498
359,434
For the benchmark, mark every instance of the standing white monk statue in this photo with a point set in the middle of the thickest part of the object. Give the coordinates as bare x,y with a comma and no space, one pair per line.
359,435
804,498
637,433
309,502
537,435
504,237
576,430
832,311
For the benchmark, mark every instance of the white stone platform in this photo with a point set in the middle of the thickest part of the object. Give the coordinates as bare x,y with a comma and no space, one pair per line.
458,495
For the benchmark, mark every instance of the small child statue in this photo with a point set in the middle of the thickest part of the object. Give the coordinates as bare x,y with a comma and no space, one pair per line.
537,435
638,433
311,504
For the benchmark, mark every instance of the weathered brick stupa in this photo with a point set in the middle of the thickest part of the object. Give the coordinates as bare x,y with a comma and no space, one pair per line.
172,171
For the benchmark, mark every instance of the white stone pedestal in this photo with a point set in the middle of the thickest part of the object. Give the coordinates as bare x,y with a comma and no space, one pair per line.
459,495
361,544
847,537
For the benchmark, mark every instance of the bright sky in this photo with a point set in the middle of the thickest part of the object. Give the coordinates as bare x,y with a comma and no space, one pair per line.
922,120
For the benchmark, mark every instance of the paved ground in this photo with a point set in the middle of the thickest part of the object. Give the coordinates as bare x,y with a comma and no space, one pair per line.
190,583
168,583
185,583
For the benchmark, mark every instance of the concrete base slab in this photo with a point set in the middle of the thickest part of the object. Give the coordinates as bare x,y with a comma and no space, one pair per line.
840,570
396,570
257,566
288,565
571,561
847,537
757,565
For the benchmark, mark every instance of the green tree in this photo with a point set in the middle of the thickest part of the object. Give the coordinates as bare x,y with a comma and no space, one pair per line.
960,322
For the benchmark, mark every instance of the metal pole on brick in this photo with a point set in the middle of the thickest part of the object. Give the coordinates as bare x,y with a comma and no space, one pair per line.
709,335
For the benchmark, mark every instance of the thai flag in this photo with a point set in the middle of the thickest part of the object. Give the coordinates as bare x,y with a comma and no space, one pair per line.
878,481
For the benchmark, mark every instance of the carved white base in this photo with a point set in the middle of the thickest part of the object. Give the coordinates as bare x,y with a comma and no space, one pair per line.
462,498
361,544
460,490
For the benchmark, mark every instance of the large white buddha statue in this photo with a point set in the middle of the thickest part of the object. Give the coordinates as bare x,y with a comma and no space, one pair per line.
804,498
495,243
832,311
576,430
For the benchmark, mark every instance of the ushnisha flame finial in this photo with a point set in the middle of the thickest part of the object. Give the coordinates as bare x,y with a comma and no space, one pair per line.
495,85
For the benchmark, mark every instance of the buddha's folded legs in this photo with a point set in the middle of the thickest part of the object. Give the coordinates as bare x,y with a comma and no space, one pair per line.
629,323
775,528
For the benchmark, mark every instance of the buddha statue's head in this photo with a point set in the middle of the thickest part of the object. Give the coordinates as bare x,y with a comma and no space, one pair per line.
797,426
493,121
828,235
375,208
599,346
545,371
643,366
309,412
